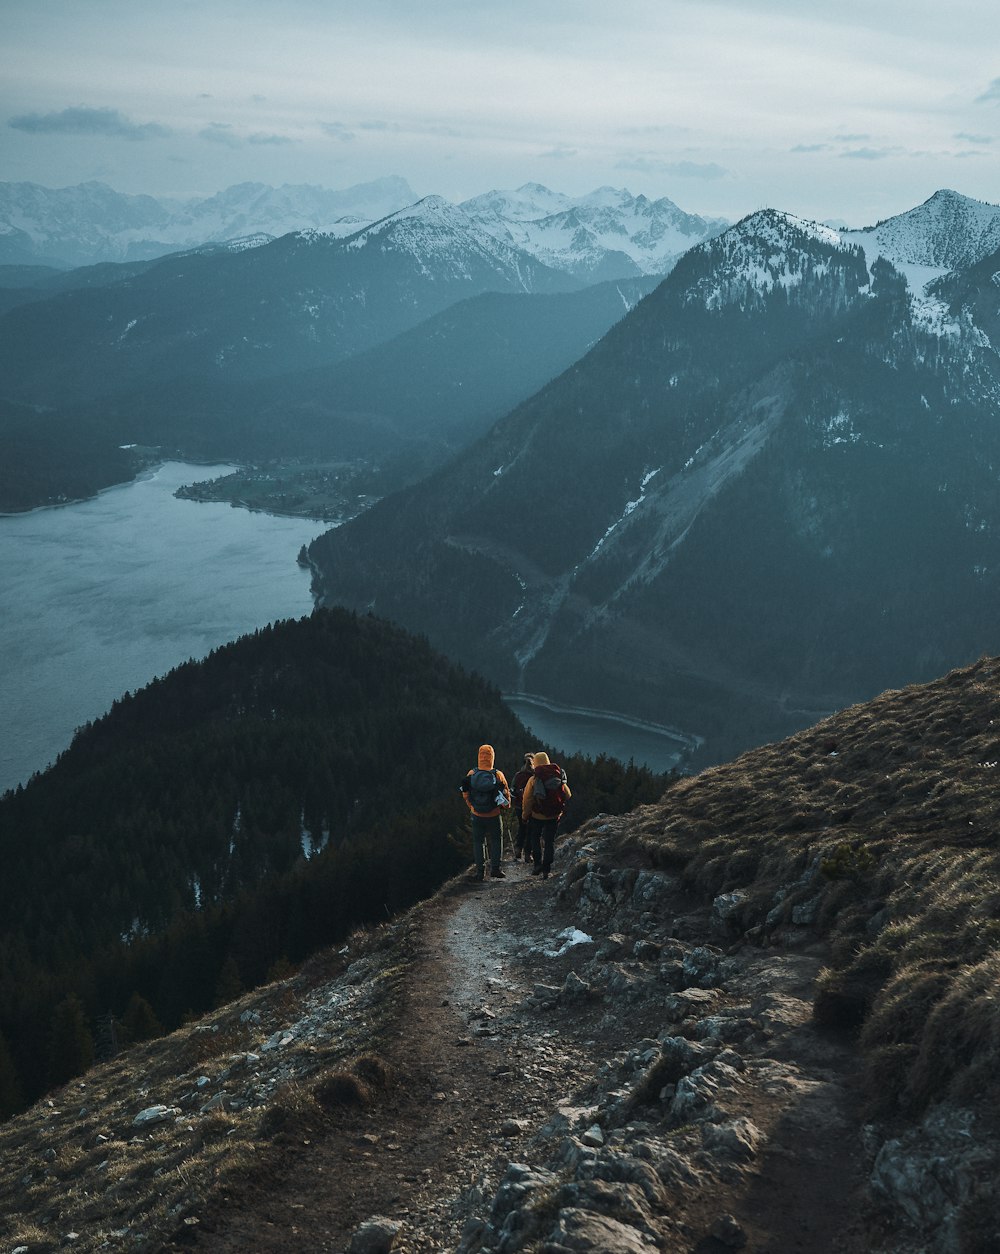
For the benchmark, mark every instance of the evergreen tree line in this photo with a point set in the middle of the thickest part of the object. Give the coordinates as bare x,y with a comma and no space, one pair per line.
220,825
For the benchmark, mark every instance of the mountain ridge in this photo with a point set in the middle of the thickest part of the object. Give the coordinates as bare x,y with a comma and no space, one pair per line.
613,234
769,380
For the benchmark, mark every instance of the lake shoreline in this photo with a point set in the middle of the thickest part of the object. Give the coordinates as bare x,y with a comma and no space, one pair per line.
105,594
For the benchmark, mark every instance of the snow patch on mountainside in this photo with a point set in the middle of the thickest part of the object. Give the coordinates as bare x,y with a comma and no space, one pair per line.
630,507
435,228
948,231
765,251
929,313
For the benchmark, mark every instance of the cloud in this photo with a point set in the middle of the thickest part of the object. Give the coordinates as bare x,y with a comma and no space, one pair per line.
223,133
559,153
708,171
991,93
220,133
84,121
657,130
871,154
337,130
974,139
810,148
410,128
259,137
850,139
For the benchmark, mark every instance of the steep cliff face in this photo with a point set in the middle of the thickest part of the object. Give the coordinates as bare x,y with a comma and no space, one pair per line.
765,494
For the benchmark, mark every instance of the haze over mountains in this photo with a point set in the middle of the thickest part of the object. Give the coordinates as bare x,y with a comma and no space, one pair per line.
608,233
161,352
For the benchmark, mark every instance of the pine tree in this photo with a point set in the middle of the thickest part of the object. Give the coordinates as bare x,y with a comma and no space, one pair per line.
140,1022
230,984
71,1046
11,1096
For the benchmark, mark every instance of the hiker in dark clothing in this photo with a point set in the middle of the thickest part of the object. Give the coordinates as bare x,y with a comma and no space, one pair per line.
522,848
487,794
545,798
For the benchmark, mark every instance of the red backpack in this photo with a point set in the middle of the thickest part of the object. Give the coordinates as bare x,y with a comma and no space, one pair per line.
548,791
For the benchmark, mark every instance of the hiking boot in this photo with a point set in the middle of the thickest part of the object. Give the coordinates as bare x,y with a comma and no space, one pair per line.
498,874
479,876
536,870
545,875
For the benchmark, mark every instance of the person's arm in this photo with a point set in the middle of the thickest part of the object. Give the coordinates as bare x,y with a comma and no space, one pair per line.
465,790
504,785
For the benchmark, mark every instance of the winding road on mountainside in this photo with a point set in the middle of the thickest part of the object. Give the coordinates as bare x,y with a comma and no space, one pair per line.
481,1066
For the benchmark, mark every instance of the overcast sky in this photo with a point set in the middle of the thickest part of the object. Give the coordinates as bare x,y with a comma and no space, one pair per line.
852,111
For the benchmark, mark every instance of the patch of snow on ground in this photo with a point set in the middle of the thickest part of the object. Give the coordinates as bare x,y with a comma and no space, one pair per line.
570,937
630,507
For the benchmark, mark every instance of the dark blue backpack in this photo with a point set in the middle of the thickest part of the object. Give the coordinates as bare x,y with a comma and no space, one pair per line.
483,789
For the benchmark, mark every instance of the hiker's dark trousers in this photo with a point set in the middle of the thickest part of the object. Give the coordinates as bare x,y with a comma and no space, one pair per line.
542,835
486,831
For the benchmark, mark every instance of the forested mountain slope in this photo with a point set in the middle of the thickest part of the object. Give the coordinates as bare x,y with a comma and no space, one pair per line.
768,492
239,813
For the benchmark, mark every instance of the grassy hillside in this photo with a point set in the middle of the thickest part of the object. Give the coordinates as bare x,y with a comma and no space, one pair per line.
879,828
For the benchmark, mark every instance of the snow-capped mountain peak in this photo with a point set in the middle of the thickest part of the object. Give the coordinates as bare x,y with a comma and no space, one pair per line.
948,231
527,203
609,233
767,250
607,198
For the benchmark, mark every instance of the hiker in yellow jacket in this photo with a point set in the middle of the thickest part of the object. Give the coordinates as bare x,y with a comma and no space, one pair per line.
487,794
545,797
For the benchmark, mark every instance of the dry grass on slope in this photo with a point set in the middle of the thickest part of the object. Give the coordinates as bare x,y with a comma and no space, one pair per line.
880,826
273,1069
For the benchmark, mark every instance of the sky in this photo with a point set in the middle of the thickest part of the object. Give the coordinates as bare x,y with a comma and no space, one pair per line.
849,112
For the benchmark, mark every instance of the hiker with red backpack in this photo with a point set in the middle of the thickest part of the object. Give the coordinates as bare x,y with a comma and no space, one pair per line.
522,845
487,794
545,797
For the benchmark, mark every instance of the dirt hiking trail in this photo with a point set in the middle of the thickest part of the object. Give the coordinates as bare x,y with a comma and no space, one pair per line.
571,1070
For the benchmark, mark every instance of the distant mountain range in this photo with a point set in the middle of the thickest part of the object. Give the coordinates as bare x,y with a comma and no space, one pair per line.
304,300
607,234
398,342
770,491
91,223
